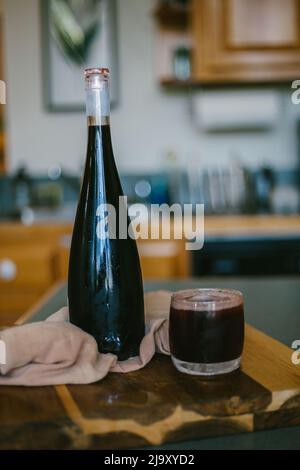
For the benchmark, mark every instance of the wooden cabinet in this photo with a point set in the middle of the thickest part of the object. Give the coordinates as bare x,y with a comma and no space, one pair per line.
15,301
26,272
172,37
34,258
245,40
29,265
163,259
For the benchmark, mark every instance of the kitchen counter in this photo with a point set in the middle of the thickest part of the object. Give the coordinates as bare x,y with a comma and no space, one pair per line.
271,305
252,226
215,226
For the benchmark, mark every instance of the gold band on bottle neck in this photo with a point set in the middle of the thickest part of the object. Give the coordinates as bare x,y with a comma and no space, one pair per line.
98,121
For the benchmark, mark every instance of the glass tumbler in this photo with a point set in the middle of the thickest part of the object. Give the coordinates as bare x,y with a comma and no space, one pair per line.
206,330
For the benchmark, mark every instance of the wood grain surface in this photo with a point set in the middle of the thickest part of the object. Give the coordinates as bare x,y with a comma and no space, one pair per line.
157,404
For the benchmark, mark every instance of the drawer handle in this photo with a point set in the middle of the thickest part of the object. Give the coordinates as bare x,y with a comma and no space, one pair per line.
8,269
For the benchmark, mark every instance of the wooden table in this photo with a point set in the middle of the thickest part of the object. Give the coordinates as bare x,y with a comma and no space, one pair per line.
272,305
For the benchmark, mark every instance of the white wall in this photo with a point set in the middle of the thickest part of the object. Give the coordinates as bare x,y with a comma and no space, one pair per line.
148,121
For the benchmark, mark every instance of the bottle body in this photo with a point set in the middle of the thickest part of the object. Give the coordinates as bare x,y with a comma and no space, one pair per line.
105,284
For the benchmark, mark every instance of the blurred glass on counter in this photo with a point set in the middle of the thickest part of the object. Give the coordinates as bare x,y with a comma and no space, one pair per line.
285,199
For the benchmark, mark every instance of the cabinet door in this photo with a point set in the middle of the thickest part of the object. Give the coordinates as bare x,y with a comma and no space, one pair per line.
164,259
246,40
30,266
25,273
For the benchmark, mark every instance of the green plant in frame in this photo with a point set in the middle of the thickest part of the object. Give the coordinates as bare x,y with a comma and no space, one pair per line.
74,25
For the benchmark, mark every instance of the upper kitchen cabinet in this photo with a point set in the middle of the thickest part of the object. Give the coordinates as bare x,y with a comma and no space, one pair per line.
245,40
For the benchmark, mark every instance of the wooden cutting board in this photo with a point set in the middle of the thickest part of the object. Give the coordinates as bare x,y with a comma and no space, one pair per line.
157,404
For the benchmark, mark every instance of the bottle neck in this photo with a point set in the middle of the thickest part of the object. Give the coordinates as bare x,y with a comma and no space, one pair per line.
97,102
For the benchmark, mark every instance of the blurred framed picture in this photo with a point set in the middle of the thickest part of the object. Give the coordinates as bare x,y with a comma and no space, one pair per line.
77,34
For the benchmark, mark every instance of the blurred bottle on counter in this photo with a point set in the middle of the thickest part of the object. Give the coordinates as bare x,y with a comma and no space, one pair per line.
22,188
264,183
177,178
182,63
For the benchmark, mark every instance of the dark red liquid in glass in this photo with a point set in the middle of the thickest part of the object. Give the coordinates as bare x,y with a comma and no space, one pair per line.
207,336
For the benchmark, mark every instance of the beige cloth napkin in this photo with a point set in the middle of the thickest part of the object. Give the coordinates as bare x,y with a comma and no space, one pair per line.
56,352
